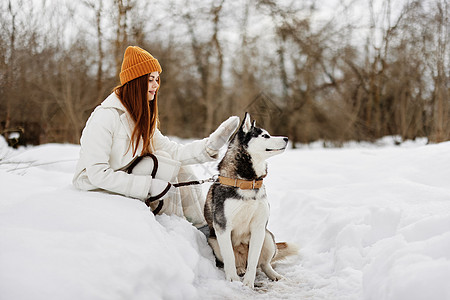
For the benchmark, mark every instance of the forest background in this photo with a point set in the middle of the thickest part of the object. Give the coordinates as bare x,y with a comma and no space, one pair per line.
333,70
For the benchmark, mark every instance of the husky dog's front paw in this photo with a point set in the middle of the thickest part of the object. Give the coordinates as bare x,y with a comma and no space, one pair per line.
232,277
249,281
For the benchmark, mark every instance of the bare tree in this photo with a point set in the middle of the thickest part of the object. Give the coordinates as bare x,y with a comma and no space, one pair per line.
439,67
97,7
10,63
123,8
208,56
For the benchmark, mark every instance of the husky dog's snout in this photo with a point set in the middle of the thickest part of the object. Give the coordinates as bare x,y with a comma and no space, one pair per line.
277,143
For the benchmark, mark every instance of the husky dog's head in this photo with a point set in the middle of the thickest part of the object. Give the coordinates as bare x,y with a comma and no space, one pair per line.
248,150
257,141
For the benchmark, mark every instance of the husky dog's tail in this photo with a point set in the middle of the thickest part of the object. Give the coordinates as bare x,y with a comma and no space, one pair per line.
284,250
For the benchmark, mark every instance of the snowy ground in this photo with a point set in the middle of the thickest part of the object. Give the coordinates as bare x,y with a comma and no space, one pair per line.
371,223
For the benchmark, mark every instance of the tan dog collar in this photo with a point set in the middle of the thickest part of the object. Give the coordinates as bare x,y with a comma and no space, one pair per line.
241,183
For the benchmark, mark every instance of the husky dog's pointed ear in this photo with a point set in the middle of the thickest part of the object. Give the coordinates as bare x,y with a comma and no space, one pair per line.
246,123
254,123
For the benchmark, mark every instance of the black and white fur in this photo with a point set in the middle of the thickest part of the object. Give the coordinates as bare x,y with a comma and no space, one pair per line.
238,218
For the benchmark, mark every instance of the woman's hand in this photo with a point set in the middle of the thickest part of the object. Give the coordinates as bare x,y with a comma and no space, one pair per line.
220,137
159,189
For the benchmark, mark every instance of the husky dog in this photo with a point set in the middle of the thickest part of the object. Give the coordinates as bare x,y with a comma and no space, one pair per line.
237,210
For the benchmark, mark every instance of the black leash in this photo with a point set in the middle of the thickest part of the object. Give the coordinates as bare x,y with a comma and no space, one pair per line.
195,182
177,185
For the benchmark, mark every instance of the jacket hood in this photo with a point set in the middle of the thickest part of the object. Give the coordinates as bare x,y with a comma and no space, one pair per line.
112,101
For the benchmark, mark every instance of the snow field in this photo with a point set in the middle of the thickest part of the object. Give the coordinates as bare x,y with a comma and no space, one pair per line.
371,223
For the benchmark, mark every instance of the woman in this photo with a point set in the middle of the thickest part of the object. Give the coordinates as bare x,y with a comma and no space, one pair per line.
124,126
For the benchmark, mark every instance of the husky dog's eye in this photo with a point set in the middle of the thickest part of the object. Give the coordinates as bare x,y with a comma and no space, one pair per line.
266,136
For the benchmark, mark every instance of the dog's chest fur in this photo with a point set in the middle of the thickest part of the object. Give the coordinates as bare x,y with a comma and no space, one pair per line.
239,210
246,213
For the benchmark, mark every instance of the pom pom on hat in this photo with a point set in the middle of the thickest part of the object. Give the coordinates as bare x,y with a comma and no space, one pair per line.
137,62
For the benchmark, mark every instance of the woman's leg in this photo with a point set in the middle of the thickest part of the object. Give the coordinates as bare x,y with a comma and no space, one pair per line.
192,199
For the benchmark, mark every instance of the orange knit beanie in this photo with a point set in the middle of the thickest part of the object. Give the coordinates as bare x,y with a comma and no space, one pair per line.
137,62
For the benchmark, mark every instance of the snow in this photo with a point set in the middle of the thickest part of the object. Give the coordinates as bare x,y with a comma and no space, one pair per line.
371,222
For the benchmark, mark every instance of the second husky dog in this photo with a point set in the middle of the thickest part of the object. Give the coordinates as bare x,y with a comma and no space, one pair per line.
237,210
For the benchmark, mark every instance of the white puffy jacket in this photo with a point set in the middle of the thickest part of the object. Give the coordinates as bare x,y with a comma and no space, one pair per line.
105,152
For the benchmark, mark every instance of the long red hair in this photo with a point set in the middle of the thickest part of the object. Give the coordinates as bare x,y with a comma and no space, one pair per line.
134,96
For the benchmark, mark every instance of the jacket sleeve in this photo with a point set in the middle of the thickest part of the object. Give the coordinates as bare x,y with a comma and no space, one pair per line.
96,145
188,154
